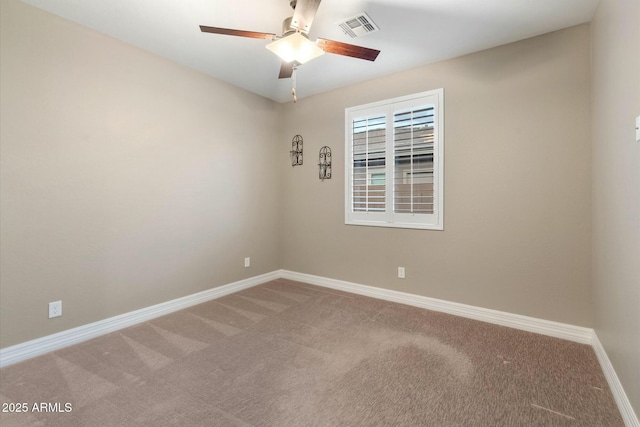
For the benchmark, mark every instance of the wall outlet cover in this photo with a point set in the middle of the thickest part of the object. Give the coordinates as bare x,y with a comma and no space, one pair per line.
55,309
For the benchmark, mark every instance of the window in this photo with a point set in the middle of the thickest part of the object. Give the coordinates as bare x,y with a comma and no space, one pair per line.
377,178
402,139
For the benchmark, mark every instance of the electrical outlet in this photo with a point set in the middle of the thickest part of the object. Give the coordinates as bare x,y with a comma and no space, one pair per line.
55,309
247,262
401,272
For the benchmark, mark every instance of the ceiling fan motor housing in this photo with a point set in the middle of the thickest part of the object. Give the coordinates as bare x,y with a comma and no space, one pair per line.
286,26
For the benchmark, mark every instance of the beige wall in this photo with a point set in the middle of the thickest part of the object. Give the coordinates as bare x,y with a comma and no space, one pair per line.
616,187
127,180
517,184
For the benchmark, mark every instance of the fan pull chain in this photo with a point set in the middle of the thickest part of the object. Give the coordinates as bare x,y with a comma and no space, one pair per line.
293,80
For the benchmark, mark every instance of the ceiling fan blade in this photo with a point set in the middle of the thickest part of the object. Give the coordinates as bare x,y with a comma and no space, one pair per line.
304,13
240,33
346,49
286,70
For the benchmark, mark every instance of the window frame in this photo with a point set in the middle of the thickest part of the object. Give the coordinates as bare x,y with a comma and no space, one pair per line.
388,108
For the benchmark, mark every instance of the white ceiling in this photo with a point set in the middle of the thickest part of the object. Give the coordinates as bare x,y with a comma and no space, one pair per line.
412,33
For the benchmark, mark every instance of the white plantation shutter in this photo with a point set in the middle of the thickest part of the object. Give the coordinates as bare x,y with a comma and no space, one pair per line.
394,152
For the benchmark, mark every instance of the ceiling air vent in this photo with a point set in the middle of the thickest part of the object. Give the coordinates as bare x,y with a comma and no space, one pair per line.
358,25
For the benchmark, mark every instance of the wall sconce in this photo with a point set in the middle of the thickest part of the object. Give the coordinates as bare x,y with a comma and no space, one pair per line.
324,164
296,150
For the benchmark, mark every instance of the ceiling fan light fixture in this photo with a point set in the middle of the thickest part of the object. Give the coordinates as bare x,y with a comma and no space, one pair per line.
295,47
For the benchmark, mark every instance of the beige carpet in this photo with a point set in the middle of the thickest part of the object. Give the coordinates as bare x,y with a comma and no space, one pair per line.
290,354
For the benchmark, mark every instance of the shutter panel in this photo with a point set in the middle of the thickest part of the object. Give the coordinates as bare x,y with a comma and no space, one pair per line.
369,151
413,148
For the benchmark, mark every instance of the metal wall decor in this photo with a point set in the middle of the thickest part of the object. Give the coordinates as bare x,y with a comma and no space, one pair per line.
296,150
324,164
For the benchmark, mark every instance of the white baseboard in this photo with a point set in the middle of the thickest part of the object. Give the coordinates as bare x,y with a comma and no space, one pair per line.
517,321
33,348
624,405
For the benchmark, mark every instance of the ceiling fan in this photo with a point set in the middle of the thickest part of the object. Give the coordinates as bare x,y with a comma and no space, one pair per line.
294,46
